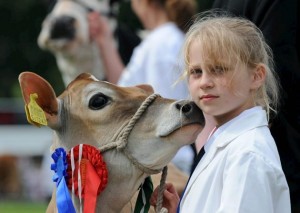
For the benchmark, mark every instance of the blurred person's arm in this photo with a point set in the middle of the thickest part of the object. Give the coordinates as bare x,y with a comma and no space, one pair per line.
101,33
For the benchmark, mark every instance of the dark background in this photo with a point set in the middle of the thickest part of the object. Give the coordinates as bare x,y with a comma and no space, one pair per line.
20,23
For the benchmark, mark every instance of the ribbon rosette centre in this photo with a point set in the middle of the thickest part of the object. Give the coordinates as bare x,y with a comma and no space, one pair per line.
87,174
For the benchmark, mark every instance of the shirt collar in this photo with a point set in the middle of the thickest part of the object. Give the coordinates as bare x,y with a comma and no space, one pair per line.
217,131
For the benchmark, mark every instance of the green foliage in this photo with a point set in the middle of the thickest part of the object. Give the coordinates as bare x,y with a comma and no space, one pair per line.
21,23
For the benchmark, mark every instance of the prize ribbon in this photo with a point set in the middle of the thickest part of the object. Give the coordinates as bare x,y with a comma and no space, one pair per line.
63,199
87,174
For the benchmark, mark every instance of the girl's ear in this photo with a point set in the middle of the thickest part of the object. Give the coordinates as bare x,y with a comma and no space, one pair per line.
258,76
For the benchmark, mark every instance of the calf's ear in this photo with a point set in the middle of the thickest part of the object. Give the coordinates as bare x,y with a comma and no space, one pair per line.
146,87
32,83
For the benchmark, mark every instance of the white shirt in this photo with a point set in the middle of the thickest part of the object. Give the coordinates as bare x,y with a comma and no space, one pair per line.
156,61
240,172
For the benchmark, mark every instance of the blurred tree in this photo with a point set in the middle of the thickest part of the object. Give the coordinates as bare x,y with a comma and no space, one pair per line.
21,22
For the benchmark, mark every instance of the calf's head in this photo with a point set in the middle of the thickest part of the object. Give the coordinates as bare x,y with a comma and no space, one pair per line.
97,113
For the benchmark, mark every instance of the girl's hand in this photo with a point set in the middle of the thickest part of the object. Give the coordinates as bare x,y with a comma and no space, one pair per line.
170,198
98,28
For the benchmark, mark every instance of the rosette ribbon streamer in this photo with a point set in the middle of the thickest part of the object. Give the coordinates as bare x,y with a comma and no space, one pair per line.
87,176
142,204
63,200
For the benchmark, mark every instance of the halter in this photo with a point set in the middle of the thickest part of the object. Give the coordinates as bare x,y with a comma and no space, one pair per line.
120,139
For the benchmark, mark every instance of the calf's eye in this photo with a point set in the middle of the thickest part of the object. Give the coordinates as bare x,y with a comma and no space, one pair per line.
98,101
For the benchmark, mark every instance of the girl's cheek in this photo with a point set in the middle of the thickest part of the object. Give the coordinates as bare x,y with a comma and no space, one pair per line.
192,85
191,89
191,81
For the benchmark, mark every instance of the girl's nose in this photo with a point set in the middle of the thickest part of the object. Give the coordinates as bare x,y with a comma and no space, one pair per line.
206,81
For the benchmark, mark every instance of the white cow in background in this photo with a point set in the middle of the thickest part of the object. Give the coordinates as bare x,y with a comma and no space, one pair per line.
65,33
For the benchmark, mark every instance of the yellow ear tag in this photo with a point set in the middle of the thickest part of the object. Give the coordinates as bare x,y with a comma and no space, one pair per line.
34,113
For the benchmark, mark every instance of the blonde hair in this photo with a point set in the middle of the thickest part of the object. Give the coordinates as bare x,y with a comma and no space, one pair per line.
180,12
230,41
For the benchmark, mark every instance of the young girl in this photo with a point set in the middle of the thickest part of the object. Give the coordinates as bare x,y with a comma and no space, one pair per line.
230,76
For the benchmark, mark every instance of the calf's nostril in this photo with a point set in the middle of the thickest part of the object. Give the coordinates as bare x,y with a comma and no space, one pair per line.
185,108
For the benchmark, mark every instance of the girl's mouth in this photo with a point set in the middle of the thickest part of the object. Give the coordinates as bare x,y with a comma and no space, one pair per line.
208,97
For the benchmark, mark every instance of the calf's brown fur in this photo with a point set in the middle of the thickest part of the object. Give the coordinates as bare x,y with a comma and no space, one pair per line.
92,112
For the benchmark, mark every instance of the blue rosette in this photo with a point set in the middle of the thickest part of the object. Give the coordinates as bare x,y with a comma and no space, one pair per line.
63,200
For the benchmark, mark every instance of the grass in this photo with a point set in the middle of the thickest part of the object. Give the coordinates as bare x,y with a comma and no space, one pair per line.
22,206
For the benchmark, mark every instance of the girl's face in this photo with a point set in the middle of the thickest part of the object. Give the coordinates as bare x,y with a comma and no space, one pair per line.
220,92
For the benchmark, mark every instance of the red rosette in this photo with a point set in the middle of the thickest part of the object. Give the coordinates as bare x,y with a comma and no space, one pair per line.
91,156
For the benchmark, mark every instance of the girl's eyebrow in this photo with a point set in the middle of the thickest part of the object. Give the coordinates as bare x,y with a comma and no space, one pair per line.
195,66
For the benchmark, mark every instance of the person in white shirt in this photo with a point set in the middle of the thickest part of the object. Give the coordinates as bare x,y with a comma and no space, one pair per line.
156,60
231,78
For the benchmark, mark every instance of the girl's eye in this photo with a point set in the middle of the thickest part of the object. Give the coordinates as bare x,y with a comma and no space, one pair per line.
218,70
196,71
